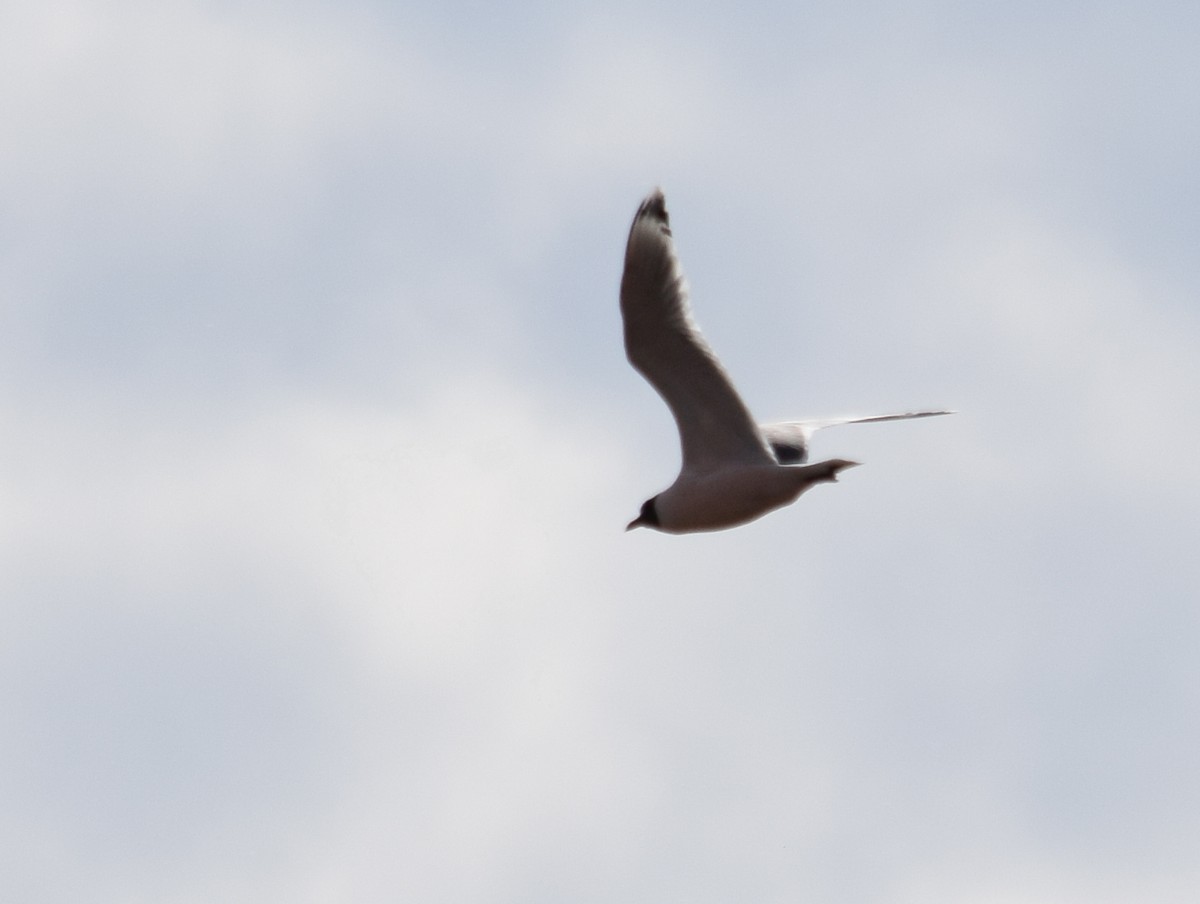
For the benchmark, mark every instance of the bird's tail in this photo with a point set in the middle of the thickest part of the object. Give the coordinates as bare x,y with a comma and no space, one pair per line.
824,471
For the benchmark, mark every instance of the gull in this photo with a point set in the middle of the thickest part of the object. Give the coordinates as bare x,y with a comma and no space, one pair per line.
733,470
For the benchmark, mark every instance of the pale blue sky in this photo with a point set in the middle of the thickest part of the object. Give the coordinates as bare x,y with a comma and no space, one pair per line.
317,442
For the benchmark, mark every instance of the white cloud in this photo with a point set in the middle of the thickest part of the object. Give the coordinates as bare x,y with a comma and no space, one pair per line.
437,551
318,445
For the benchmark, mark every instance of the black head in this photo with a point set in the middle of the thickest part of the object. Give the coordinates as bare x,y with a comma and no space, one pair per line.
647,517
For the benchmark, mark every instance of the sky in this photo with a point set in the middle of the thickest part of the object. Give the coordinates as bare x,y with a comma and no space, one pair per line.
317,443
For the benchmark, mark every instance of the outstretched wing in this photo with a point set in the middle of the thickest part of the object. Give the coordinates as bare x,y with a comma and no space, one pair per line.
789,440
664,345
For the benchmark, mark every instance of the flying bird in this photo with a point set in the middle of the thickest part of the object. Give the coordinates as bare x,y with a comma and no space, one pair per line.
733,470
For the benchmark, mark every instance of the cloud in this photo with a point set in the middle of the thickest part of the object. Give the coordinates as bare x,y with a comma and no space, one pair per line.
426,566
318,443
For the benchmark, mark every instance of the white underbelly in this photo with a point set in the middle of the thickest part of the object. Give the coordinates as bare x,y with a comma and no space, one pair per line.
727,498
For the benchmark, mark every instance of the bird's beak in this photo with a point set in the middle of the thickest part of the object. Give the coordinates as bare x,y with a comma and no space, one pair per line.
636,522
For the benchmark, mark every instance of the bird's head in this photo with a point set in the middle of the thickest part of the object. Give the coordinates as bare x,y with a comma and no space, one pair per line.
647,517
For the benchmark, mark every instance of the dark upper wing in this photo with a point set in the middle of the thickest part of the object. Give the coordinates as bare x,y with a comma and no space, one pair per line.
788,441
665,346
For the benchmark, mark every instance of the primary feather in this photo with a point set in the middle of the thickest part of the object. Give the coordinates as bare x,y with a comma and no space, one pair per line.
664,345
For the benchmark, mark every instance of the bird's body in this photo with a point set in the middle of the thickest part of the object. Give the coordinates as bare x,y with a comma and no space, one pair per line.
733,470
733,495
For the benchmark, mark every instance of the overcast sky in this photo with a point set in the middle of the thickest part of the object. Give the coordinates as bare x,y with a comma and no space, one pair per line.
317,441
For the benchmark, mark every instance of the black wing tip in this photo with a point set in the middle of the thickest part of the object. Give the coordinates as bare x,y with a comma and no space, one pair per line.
655,207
